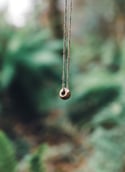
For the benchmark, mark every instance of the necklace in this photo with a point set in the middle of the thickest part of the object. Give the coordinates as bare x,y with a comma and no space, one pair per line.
65,92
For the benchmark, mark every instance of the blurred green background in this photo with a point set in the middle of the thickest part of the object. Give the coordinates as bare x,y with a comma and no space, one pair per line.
38,131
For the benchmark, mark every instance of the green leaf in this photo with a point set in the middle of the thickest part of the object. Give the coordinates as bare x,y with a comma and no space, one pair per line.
7,154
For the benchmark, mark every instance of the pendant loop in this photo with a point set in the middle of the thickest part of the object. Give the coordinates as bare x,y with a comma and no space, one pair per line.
64,93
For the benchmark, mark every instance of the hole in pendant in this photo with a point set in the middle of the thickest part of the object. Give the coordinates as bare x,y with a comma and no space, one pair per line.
63,92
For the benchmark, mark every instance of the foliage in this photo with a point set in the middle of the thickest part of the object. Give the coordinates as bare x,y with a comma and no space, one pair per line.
37,160
31,72
7,154
108,154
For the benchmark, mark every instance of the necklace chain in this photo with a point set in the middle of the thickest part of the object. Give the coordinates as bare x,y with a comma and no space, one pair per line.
67,43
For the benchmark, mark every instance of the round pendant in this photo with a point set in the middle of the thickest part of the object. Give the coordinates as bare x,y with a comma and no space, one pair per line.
64,93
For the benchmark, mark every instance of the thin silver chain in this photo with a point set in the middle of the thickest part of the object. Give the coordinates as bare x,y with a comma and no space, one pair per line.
64,43
67,42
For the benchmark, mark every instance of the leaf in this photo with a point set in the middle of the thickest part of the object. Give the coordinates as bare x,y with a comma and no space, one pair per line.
7,154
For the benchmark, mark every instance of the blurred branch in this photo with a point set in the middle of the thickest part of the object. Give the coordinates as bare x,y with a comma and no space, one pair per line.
55,19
